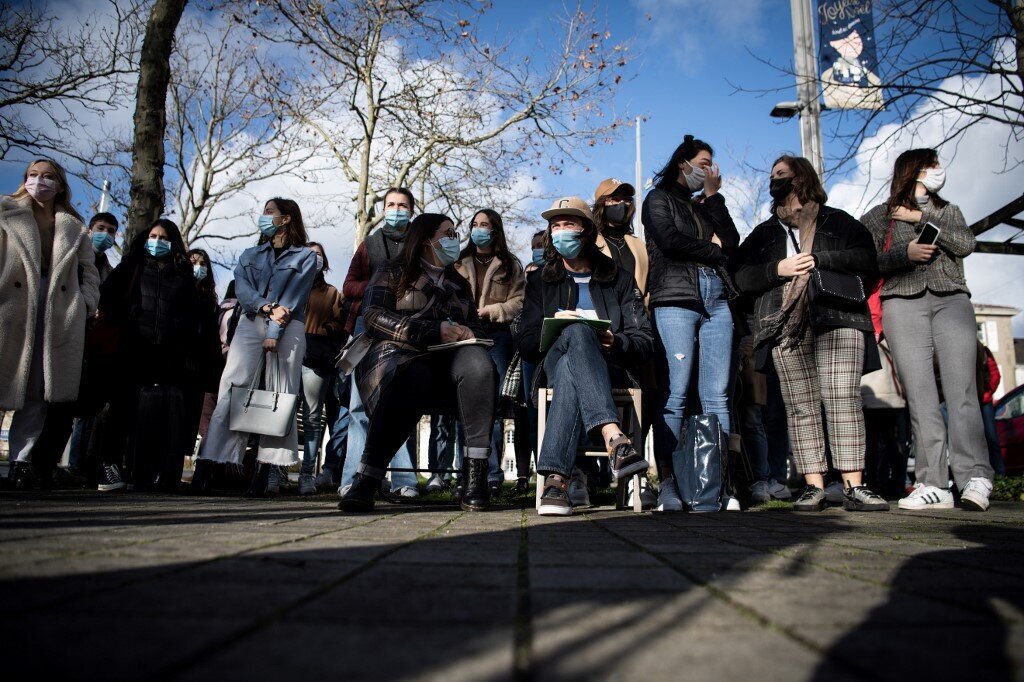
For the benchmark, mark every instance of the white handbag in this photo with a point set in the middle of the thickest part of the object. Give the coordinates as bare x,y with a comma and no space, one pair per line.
265,412
353,352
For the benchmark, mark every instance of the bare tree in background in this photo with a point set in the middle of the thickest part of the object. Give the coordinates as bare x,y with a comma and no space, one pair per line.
409,93
963,62
52,72
746,190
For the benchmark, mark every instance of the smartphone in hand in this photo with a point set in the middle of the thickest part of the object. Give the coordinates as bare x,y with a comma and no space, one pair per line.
930,234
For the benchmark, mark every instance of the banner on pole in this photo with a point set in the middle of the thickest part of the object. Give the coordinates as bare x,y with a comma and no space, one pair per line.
848,62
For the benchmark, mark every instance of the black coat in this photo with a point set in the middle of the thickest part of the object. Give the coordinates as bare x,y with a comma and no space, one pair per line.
677,245
615,296
841,244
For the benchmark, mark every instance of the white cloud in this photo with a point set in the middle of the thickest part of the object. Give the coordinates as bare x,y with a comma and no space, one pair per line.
977,181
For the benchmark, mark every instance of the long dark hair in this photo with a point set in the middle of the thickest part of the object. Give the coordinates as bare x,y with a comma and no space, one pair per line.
319,280
554,268
806,182
421,229
295,229
207,285
904,179
137,249
687,150
499,242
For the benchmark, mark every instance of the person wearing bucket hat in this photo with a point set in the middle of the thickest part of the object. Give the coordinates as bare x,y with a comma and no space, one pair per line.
614,208
581,364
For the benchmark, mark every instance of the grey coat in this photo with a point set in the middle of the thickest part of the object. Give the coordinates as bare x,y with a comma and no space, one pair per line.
72,295
943,274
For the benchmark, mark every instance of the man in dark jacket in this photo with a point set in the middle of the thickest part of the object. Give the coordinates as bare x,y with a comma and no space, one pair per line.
578,284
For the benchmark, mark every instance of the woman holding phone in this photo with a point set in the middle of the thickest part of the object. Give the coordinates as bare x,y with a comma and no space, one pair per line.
928,318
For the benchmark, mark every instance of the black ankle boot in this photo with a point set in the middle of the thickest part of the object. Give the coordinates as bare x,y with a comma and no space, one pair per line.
260,479
475,496
359,497
202,477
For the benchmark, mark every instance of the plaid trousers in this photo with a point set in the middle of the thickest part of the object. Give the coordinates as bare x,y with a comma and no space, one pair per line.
824,368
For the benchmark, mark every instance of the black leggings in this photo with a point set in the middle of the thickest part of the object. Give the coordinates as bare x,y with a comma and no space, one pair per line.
432,383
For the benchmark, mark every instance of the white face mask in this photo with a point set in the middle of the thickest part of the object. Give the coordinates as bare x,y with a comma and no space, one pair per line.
319,262
934,179
695,178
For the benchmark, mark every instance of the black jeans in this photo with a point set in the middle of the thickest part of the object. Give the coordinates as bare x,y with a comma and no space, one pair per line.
464,379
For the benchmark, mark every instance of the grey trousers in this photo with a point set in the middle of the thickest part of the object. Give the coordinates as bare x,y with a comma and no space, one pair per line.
940,327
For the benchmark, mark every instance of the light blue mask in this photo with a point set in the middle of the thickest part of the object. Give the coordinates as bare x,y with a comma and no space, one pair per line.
567,243
158,247
200,271
397,218
267,226
448,252
481,237
538,256
101,241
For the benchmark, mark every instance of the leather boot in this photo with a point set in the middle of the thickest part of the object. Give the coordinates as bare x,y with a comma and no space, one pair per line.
202,477
359,497
260,479
475,496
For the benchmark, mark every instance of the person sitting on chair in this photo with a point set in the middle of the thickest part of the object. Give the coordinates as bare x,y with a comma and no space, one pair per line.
578,281
415,301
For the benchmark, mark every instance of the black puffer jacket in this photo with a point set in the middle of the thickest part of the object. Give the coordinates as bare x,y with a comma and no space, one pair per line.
679,235
841,244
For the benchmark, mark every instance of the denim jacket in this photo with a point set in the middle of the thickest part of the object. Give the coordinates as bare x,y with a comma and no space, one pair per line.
261,279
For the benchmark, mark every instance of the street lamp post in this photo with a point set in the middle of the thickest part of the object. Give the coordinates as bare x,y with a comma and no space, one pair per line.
808,104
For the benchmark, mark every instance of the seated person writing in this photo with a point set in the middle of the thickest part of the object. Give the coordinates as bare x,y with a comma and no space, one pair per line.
415,301
577,280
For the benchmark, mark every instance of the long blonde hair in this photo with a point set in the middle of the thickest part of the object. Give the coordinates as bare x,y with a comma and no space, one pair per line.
62,201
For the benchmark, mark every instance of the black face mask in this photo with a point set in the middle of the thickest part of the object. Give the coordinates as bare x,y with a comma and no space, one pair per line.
616,213
780,188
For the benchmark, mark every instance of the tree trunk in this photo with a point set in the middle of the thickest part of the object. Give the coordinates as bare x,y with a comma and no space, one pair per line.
147,188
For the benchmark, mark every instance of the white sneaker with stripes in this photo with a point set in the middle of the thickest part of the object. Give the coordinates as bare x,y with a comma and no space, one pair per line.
927,497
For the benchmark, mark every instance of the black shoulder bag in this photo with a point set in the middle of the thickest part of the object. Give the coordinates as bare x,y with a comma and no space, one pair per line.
830,288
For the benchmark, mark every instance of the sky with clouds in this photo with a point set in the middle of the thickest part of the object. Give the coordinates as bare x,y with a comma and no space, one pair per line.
689,57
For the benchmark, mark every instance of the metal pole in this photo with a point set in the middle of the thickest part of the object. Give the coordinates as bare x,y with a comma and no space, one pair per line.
805,61
638,226
104,204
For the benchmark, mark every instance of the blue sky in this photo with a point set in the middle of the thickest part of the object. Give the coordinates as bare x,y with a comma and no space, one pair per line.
688,57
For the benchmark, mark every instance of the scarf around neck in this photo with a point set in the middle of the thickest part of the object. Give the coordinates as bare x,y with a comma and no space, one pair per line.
787,324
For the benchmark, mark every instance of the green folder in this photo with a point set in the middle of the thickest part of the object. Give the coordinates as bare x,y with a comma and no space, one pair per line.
553,326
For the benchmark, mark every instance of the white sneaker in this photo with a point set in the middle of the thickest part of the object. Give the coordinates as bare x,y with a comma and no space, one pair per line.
408,491
779,491
975,494
344,489
732,504
760,492
648,500
668,496
307,486
835,493
436,484
578,493
928,497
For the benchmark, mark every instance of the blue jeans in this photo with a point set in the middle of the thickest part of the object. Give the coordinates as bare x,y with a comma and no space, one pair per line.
315,386
776,430
443,450
359,424
755,442
679,333
337,419
995,455
582,401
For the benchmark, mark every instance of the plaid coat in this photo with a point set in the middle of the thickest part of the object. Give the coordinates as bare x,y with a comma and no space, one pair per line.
402,328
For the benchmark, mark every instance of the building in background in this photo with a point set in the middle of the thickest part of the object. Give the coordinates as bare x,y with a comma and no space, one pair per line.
996,331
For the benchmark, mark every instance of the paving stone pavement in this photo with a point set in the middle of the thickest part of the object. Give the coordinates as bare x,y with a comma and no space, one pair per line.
116,587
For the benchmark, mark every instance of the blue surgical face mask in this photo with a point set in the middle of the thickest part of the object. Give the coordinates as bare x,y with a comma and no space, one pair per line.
158,247
538,256
267,226
397,218
200,271
481,237
567,243
448,252
101,241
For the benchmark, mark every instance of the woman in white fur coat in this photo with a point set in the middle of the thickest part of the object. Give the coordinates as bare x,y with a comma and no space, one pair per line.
48,287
